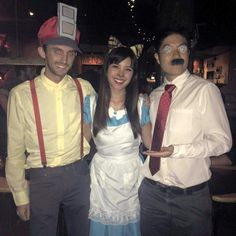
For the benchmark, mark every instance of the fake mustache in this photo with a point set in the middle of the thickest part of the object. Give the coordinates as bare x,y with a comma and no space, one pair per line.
177,61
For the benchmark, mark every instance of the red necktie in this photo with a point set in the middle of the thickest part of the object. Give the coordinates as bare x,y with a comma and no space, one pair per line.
162,112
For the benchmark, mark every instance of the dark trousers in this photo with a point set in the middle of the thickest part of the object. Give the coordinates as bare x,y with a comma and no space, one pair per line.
50,188
168,213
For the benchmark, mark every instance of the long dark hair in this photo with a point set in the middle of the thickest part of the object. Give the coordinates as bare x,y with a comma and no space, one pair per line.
101,116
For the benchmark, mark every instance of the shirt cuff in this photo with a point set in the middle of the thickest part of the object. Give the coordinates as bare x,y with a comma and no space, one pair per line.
176,152
21,198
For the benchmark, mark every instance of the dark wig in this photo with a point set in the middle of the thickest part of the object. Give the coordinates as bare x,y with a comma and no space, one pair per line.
164,33
115,56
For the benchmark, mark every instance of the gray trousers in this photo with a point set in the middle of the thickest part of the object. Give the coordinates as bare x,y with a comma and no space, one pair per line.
50,188
170,213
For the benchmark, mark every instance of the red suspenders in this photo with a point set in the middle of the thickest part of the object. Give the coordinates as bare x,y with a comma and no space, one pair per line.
39,125
81,117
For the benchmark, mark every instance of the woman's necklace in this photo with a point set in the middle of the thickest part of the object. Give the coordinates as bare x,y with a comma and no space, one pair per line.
117,105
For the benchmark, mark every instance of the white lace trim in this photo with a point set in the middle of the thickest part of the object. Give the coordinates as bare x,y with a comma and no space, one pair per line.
114,218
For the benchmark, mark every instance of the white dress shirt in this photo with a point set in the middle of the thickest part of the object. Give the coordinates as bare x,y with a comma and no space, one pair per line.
197,126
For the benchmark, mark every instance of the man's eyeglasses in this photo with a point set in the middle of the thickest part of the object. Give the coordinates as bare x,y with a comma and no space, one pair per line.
167,49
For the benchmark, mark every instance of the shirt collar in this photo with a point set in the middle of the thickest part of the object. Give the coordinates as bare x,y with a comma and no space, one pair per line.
50,84
179,80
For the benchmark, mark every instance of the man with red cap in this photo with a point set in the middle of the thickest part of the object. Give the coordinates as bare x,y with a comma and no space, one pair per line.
45,121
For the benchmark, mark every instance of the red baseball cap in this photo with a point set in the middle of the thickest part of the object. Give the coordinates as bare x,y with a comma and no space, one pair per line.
49,34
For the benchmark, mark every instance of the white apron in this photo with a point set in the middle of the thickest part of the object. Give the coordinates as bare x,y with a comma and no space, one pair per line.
115,175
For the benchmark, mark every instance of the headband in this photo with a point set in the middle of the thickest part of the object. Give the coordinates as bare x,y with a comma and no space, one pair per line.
113,42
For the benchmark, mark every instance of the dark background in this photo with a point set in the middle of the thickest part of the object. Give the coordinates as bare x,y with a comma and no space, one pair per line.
213,22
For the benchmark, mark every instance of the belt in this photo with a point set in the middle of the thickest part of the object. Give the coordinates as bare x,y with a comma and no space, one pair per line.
177,190
44,170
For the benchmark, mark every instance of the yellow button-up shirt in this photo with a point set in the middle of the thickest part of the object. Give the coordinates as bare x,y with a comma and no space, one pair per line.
60,111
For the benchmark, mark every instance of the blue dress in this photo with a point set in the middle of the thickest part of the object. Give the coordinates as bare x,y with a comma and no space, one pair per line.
115,174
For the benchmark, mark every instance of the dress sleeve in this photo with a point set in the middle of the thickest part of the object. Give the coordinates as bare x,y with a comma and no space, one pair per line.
87,110
143,111
87,87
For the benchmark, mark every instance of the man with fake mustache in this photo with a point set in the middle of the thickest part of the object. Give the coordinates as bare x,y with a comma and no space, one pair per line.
175,197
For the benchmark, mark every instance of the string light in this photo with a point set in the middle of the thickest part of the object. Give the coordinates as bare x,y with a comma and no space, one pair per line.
31,13
131,4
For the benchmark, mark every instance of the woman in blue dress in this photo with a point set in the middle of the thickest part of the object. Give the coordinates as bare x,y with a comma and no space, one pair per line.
118,121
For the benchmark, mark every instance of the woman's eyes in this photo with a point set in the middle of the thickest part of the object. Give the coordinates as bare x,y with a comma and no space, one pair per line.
129,69
116,66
